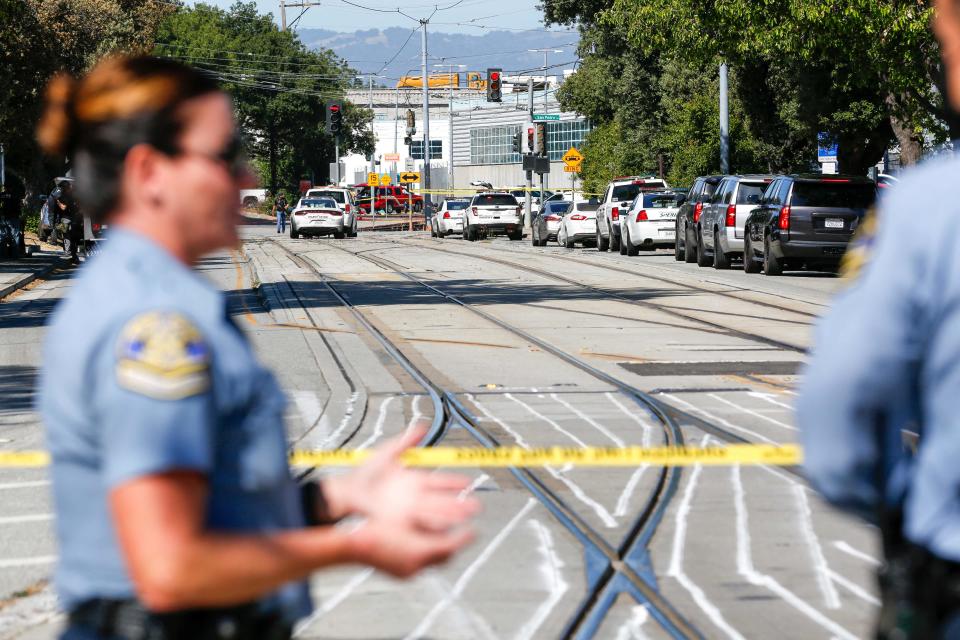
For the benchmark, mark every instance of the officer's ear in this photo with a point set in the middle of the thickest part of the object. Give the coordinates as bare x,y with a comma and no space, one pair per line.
142,176
946,26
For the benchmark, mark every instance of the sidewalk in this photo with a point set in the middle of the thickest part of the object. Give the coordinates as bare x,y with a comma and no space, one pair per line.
17,274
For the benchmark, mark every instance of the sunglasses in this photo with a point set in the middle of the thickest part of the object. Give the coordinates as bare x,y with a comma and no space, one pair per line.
232,156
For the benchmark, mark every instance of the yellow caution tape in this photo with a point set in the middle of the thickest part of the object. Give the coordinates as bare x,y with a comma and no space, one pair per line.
746,454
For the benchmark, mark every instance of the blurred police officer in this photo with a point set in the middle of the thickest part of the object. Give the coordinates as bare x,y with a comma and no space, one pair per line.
887,358
176,513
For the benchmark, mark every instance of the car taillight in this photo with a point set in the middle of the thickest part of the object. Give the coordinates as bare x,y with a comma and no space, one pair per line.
96,228
518,210
731,215
642,215
579,217
783,220
346,208
446,215
697,210
474,210
551,218
615,213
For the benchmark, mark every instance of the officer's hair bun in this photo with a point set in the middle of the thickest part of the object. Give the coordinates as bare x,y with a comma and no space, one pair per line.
56,125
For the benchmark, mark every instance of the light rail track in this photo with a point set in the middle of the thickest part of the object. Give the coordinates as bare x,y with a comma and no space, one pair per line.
622,563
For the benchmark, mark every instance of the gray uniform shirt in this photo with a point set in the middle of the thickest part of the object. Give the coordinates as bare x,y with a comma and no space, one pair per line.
144,372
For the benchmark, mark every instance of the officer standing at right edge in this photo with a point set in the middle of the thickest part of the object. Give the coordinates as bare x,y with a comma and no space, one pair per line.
887,358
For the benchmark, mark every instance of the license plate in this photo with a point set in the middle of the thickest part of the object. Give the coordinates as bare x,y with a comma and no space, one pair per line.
666,233
833,223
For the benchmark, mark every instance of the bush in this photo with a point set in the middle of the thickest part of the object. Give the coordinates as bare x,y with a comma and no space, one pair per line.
31,220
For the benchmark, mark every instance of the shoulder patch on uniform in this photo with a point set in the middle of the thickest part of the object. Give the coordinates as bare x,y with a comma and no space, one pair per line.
861,247
162,354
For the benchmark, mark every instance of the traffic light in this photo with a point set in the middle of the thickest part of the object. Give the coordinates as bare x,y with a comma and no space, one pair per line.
334,118
541,138
518,142
494,85
411,123
530,140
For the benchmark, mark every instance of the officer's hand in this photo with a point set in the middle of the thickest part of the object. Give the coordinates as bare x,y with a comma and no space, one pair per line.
402,549
382,489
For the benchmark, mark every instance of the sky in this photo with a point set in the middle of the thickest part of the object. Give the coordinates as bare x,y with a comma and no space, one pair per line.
468,16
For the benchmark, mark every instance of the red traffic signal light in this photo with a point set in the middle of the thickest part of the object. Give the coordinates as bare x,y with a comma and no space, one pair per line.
494,93
495,76
334,108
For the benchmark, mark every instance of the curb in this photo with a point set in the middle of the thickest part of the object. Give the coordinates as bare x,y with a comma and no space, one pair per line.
29,278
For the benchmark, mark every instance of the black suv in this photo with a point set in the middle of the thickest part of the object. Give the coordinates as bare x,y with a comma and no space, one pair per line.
805,220
685,246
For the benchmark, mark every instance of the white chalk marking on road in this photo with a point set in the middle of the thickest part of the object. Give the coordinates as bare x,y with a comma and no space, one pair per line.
471,571
623,502
675,569
378,427
329,605
540,416
37,517
26,562
351,402
632,629
757,414
24,485
830,597
477,482
850,550
718,419
416,414
551,569
604,515
309,407
853,588
746,569
771,398
593,423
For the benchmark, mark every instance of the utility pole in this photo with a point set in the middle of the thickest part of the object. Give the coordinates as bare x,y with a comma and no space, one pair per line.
450,121
425,185
529,202
373,154
283,11
724,122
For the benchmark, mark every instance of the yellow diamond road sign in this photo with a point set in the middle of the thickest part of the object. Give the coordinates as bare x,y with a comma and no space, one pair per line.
373,180
572,158
385,180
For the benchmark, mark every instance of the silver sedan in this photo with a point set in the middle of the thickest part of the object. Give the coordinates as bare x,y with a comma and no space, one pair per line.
546,223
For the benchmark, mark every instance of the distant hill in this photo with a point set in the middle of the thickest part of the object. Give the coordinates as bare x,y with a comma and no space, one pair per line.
368,50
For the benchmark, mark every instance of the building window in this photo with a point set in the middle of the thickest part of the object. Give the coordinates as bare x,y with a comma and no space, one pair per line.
436,149
493,145
563,135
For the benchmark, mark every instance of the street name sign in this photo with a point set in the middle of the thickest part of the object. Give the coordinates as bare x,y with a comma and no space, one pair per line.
542,117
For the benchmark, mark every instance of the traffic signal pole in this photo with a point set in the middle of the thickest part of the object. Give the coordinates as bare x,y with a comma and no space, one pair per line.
425,184
529,173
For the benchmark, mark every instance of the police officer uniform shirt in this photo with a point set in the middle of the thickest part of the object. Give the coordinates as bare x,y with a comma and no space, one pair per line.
144,372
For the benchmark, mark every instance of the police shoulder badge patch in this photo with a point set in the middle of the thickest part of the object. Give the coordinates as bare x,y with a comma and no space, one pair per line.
162,355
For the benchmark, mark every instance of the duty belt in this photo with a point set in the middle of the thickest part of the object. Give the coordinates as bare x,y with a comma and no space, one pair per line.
130,620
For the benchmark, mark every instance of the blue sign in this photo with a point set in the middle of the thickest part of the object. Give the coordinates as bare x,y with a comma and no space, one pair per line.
827,148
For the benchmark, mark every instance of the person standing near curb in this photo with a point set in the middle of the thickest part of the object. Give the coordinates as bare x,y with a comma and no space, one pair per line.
280,209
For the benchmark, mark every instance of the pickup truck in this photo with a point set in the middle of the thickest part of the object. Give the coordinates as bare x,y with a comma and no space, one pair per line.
616,200
252,197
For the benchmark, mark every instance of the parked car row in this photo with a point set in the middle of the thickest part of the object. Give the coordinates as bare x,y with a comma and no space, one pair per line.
767,223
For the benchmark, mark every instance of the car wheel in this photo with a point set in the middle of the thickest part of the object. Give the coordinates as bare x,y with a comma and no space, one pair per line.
690,248
602,243
293,234
339,235
615,241
628,248
418,207
771,266
677,248
516,235
433,230
720,259
471,233
750,264
440,234
568,242
702,260
534,240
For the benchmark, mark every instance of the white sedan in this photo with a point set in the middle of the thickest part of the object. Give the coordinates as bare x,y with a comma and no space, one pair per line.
649,223
449,218
578,225
317,217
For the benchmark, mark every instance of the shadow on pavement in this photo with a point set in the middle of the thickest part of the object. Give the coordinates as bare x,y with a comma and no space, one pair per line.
17,388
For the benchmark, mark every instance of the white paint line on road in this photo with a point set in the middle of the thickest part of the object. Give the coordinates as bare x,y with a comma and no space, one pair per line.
329,605
854,588
471,571
830,597
593,423
769,397
351,402
24,485
378,427
604,515
551,568
623,502
12,563
540,416
848,549
477,482
37,517
632,629
309,407
746,569
675,568
717,419
416,414
756,414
